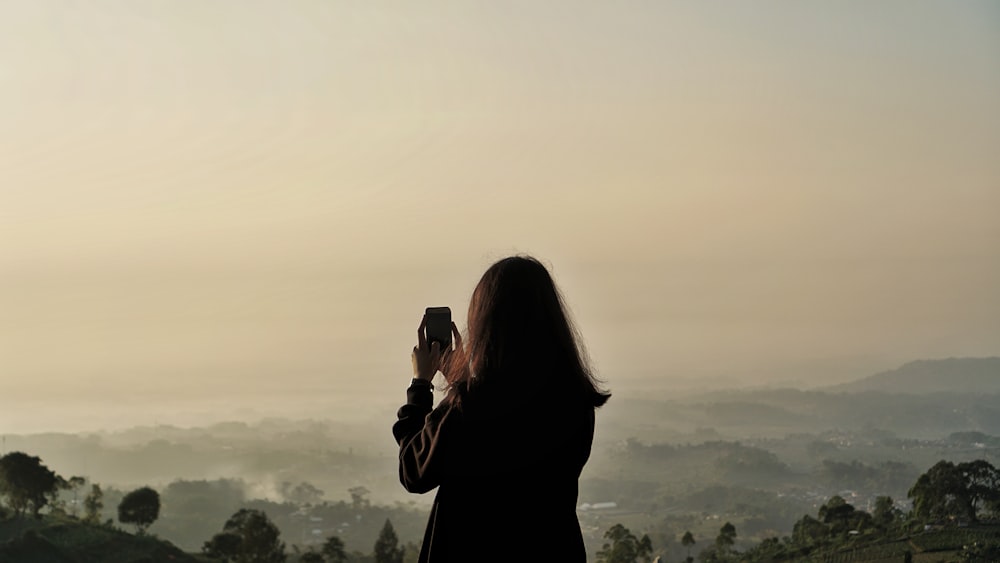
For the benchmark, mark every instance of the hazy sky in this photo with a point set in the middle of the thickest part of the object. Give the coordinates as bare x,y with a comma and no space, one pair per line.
208,199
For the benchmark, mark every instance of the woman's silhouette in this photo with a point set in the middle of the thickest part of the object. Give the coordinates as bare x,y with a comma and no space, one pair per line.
506,444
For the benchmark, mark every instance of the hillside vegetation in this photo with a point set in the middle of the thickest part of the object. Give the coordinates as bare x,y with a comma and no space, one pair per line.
54,539
758,460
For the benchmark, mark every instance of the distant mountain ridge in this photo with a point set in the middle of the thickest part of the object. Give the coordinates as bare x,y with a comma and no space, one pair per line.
951,375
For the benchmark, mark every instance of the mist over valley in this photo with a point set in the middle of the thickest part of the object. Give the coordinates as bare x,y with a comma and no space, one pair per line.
760,458
774,226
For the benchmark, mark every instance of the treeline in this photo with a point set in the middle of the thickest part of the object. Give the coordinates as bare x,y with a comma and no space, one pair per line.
798,472
882,476
948,496
722,461
331,455
736,463
30,490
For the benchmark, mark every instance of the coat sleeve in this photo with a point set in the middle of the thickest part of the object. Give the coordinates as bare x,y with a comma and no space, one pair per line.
421,433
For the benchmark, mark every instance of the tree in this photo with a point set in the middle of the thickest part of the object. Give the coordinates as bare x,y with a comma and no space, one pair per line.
982,485
387,548
359,497
726,538
950,491
687,541
311,557
25,482
73,484
770,549
934,492
303,493
140,507
333,550
93,504
809,532
842,517
248,536
226,546
624,547
885,515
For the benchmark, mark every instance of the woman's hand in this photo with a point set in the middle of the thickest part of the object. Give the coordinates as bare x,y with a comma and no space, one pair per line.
426,359
447,366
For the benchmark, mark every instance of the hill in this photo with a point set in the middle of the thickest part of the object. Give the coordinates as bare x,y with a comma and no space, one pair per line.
61,540
952,375
980,543
778,413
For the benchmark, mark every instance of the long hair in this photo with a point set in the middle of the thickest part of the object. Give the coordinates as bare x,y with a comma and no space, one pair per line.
520,335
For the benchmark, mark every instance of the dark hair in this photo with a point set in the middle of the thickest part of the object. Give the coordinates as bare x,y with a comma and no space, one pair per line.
519,334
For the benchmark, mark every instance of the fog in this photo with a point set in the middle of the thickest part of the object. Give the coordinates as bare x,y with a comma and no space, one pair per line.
660,464
221,222
240,210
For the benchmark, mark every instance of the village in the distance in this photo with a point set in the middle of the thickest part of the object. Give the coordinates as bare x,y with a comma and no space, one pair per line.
854,472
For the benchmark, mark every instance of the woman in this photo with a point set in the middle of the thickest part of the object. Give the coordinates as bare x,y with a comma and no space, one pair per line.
506,444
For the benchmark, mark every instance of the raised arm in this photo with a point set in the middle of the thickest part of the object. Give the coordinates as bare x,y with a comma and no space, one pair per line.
422,435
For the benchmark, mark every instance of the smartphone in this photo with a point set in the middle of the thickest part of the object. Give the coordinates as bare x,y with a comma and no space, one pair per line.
439,326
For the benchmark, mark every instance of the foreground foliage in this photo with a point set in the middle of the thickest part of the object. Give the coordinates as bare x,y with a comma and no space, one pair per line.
955,518
26,483
140,508
64,540
624,547
248,536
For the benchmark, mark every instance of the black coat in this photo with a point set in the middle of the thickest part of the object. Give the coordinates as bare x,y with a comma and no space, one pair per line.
507,472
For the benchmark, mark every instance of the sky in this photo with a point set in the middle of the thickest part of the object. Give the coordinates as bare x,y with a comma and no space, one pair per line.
246,205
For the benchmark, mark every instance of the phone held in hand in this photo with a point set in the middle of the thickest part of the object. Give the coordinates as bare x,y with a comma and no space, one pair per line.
439,326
